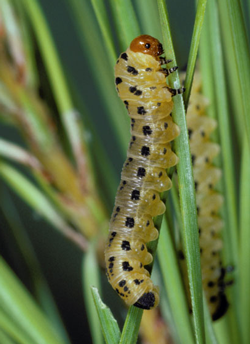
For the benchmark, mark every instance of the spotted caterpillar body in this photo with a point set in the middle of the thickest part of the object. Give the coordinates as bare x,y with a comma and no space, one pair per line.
209,201
141,84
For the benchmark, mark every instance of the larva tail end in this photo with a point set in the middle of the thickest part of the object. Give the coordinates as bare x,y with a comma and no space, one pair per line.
146,301
222,308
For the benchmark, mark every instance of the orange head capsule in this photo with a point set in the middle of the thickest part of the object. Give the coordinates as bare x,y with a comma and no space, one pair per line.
147,45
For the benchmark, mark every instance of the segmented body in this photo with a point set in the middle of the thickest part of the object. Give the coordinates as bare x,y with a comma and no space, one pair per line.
141,84
208,200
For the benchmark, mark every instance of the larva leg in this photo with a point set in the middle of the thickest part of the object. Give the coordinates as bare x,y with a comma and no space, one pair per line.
167,72
174,91
164,61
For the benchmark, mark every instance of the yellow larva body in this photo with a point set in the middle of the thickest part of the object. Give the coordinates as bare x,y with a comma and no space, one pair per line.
141,85
209,201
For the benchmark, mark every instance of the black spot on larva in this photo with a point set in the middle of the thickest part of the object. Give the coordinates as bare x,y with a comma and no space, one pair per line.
148,69
117,61
170,114
132,89
118,209
153,198
129,160
190,132
195,185
146,301
203,134
199,230
132,70
201,250
140,265
133,138
141,172
213,299
124,182
111,259
126,266
210,284
117,291
125,289
210,186
214,253
130,222
193,158
137,282
124,56
147,130
111,265
160,175
158,104
126,103
122,294
142,247
164,151
165,125
138,93
198,210
122,283
181,255
135,195
147,224
133,120
145,151
113,234
141,110
125,245
222,307
118,81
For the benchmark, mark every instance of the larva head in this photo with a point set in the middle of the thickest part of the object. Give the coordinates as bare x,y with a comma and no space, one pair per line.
147,45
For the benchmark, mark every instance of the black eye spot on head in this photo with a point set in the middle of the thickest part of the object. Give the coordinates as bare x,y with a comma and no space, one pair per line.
145,151
124,56
141,172
147,45
160,175
165,125
142,247
153,197
148,69
164,151
148,223
118,81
